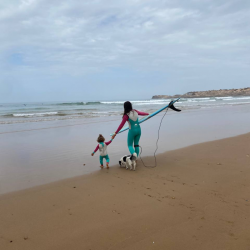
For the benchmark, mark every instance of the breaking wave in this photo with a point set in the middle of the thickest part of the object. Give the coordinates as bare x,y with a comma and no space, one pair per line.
32,114
78,103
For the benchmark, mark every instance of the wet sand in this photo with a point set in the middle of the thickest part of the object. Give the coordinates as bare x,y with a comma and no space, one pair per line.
197,197
45,152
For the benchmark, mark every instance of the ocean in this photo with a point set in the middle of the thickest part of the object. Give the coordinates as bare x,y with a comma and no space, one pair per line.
12,113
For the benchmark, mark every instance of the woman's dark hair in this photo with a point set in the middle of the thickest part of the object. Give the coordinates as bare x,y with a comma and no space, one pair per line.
127,107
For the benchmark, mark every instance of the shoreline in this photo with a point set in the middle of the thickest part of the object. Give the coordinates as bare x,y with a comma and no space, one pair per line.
37,157
149,158
197,198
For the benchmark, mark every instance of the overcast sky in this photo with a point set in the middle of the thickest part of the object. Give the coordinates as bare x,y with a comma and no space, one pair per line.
73,50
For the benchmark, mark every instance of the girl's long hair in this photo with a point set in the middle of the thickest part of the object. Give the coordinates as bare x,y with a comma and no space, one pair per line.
127,107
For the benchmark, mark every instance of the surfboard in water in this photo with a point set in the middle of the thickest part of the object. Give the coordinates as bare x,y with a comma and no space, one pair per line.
170,105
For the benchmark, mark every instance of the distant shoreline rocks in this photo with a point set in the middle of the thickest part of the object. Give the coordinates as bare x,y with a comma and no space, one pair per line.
208,93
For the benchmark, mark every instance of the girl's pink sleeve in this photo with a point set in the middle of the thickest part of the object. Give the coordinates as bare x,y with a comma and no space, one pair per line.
141,113
107,143
125,118
97,147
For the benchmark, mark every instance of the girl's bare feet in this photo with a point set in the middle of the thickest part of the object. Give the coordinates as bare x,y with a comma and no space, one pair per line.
107,166
101,166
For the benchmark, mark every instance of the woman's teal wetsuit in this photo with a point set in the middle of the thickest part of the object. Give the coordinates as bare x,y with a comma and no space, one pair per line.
134,132
134,135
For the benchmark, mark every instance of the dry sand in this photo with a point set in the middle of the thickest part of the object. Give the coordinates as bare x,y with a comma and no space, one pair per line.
197,198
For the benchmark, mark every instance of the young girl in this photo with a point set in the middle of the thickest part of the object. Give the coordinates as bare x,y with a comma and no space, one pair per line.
102,146
130,115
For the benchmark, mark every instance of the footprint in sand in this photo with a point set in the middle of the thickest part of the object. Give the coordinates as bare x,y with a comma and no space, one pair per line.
114,211
195,237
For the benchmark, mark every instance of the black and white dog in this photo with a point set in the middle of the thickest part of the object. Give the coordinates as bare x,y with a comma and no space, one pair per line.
128,161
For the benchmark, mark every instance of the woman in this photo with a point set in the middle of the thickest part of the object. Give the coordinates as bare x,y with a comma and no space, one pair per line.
131,116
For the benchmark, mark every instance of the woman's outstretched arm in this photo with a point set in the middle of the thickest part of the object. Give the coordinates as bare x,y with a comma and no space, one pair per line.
125,118
141,113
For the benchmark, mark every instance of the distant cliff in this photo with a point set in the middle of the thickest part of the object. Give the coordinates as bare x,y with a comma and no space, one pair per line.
209,93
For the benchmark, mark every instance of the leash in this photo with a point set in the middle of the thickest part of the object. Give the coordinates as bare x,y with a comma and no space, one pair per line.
155,144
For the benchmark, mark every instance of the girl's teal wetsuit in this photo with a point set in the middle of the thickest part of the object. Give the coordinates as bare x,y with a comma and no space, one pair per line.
102,146
134,132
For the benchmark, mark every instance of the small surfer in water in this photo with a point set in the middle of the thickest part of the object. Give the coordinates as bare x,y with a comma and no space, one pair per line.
130,115
102,146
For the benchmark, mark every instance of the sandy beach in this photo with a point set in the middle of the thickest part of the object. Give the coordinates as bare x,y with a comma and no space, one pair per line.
197,197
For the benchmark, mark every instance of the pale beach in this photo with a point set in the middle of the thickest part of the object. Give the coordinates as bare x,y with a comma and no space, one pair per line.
196,197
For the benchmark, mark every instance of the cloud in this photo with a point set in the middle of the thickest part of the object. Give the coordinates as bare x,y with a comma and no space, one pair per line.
79,38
